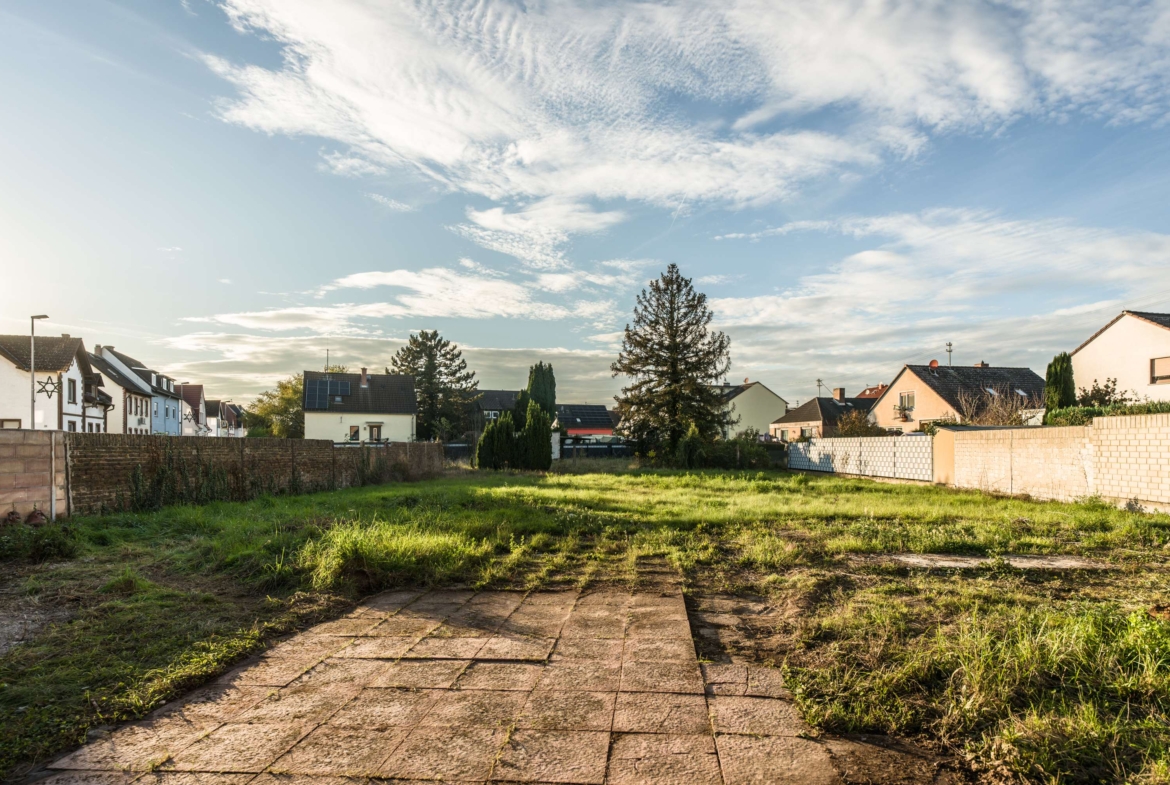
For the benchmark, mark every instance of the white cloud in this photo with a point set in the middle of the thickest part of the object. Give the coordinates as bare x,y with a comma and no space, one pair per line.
391,204
495,99
225,280
1009,292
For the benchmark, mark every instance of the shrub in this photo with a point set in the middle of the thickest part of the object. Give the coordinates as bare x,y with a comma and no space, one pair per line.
1083,415
38,543
1104,395
1059,390
857,423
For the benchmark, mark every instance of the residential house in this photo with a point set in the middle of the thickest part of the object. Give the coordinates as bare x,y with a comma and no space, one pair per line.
490,405
922,394
130,400
1134,349
67,387
232,420
751,405
873,391
165,404
365,407
817,417
212,409
192,410
584,421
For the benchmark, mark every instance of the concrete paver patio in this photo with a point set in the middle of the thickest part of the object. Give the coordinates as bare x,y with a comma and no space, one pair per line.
474,687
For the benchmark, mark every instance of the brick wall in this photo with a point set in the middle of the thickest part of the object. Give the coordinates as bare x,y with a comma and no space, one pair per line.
120,471
26,467
1116,458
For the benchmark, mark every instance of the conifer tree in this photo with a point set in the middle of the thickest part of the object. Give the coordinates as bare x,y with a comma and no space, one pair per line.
542,388
520,410
536,439
444,387
673,360
1059,389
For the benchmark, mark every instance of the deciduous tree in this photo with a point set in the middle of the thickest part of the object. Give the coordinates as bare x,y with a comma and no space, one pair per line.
279,412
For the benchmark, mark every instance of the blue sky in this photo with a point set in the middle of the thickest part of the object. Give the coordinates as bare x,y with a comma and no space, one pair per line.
228,189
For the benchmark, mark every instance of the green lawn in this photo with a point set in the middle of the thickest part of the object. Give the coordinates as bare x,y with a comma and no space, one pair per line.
1058,677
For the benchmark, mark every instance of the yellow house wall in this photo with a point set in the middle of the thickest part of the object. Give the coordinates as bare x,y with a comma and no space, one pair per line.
927,404
335,427
794,428
1123,352
756,408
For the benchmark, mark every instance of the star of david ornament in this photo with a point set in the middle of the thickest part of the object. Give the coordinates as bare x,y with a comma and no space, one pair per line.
49,386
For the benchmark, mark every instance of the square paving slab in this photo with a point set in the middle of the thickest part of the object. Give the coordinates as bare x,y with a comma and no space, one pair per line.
589,687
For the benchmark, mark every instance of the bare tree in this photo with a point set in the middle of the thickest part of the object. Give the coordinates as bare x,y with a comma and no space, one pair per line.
1000,405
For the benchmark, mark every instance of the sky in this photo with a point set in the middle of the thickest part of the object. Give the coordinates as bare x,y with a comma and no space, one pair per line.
227,190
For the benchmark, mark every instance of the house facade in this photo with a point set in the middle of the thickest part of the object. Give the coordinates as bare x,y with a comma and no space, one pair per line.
130,403
923,394
1134,349
751,405
67,387
584,421
356,408
490,405
165,404
192,410
817,418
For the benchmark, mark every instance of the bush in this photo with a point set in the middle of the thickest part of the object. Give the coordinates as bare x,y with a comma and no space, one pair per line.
38,543
1083,415
857,423
742,452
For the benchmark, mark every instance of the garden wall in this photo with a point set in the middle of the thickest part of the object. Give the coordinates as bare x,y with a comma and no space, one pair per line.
1116,458
28,461
99,472
898,457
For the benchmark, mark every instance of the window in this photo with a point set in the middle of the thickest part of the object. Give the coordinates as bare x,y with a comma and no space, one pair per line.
9,424
906,401
72,391
784,436
355,433
806,433
97,427
156,408
1160,370
72,425
491,415
375,433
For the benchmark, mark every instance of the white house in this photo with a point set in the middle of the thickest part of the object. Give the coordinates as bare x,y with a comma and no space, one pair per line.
68,395
1134,349
129,407
192,410
365,407
753,404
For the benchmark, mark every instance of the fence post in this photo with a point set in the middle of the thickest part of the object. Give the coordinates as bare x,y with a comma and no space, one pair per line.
52,475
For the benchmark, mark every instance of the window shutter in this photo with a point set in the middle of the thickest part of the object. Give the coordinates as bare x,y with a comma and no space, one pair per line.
1160,370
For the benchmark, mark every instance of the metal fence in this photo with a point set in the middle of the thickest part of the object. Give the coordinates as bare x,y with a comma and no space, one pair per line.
909,457
571,449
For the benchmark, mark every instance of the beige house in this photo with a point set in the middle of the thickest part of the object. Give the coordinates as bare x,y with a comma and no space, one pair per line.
1134,349
817,417
753,405
365,407
922,394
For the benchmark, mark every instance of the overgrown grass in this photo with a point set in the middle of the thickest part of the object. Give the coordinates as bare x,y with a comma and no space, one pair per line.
162,601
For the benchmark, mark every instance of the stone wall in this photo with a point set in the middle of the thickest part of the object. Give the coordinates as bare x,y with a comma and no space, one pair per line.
104,472
27,464
1116,458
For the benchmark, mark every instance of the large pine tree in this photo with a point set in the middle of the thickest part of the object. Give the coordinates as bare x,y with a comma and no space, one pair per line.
442,383
673,360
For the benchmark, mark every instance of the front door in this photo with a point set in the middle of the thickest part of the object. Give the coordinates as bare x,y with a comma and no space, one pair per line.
375,433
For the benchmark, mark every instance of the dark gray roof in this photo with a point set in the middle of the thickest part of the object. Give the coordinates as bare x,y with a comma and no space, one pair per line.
143,373
583,415
497,400
949,381
53,353
729,391
386,393
212,408
111,373
825,410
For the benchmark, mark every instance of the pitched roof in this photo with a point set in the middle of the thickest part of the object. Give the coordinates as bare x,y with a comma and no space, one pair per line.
497,400
584,415
825,410
191,393
53,353
111,372
212,408
143,373
386,393
950,381
729,391
873,392
1160,319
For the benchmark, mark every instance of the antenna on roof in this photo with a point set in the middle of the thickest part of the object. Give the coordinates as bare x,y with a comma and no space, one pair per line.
949,350
820,384
326,360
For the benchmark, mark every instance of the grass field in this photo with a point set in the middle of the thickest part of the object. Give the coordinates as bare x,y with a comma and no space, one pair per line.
1050,676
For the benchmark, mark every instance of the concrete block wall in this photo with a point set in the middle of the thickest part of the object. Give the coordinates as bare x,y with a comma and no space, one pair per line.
901,457
1132,457
26,471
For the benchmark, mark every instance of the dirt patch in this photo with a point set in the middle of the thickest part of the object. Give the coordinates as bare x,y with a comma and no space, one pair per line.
23,615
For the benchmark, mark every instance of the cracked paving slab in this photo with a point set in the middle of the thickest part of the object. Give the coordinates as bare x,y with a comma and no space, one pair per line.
597,687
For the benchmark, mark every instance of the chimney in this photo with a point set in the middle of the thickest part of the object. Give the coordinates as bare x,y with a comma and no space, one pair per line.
982,364
64,335
365,379
838,393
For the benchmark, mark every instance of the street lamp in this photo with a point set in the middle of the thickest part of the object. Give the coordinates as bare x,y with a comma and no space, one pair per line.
32,370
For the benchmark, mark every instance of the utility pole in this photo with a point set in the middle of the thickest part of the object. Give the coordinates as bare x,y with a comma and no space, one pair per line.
32,370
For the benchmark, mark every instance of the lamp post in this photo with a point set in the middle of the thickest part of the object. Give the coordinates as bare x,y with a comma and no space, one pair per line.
32,369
